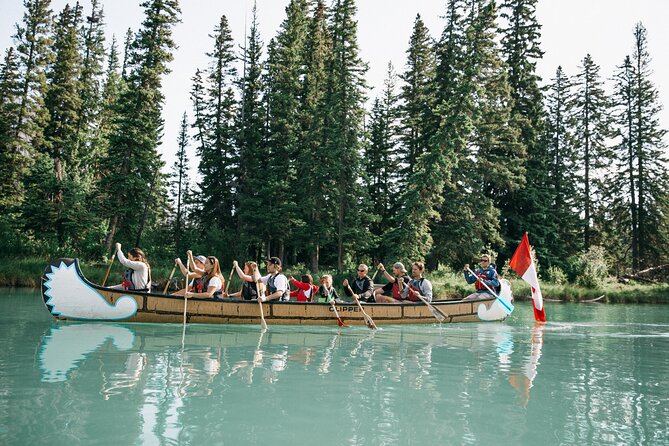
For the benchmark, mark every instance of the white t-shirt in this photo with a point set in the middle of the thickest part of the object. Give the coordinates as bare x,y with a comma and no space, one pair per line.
215,282
280,282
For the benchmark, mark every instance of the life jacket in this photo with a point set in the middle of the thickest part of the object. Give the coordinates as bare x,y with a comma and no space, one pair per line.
128,284
397,291
416,285
306,295
249,291
483,275
199,283
325,294
272,288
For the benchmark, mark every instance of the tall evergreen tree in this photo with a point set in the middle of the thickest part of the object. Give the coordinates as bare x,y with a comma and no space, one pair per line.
320,168
33,47
133,179
215,113
642,155
592,131
383,164
253,223
11,160
417,96
563,175
286,70
527,209
180,183
345,99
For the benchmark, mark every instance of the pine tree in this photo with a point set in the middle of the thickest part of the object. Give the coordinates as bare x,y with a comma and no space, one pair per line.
286,70
215,111
33,48
528,209
593,130
320,168
10,159
383,165
133,180
180,184
563,175
417,97
345,98
254,219
642,155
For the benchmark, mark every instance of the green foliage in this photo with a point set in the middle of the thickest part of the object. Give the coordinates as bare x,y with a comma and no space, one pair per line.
555,275
593,267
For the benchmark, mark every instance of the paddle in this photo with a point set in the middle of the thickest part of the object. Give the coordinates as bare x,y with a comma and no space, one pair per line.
227,286
436,312
263,324
375,273
109,268
508,307
186,289
368,320
339,321
167,285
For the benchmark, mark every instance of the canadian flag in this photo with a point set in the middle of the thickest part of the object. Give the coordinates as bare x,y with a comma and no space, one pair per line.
522,263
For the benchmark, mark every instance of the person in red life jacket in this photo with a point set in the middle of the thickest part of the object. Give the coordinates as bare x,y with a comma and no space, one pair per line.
306,290
249,276
390,293
214,283
197,284
487,273
362,286
326,292
138,275
418,285
275,282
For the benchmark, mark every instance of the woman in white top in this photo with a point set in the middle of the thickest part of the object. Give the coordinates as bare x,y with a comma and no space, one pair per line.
138,275
214,279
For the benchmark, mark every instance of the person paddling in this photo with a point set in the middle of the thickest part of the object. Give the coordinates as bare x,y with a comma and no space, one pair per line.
199,279
138,275
390,293
275,282
486,273
418,285
362,286
214,283
305,289
249,276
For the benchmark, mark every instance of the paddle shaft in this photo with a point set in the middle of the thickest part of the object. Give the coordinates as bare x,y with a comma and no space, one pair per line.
109,269
504,304
368,319
167,285
186,290
227,286
437,313
263,324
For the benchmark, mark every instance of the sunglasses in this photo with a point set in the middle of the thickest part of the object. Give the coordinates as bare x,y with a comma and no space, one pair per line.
485,260
362,270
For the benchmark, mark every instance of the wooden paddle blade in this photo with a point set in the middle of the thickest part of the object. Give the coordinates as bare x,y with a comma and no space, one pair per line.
441,317
370,322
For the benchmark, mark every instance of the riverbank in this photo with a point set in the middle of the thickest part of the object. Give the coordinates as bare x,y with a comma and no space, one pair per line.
26,272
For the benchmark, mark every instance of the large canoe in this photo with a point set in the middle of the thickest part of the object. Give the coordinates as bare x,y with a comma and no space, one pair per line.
68,295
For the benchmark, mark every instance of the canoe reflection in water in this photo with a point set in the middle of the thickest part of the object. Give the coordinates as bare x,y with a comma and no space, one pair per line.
123,356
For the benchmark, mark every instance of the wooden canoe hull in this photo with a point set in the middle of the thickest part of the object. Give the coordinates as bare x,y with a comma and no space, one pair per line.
69,295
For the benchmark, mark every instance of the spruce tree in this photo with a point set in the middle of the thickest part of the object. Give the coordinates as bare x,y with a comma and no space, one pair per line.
417,96
527,209
254,220
180,184
318,167
563,174
345,100
11,160
642,155
132,168
592,133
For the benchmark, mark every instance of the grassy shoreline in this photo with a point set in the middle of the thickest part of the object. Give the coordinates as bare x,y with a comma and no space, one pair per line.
447,284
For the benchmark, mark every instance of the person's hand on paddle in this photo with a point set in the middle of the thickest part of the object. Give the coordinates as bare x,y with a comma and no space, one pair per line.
466,268
260,299
345,283
235,264
178,262
118,247
188,294
381,268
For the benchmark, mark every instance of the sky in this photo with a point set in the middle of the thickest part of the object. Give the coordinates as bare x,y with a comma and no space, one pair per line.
570,30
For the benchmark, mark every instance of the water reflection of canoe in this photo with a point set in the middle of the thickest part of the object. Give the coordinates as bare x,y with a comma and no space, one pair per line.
69,295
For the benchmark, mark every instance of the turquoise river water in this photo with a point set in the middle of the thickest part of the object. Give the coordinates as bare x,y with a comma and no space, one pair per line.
594,374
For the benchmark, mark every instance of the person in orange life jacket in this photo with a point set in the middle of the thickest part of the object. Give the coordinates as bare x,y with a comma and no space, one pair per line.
326,292
275,282
390,293
138,275
362,286
199,279
418,285
249,276
486,272
305,289
213,287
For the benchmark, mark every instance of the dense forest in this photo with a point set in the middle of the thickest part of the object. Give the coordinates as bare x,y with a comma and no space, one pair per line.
465,149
